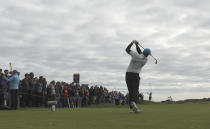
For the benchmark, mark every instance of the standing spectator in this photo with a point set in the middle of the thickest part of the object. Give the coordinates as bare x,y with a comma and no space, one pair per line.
38,91
51,94
6,96
82,95
78,97
59,94
116,98
44,99
31,88
91,95
66,97
101,95
94,95
86,96
6,73
1,89
106,95
13,89
25,90
72,95
150,96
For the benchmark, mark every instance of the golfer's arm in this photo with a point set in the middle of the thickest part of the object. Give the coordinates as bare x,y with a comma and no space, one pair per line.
128,49
138,49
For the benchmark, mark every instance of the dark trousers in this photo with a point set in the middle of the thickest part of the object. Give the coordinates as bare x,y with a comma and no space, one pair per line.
38,99
132,81
14,99
25,98
1,99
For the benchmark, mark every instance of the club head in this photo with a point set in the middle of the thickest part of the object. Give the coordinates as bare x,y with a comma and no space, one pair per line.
155,61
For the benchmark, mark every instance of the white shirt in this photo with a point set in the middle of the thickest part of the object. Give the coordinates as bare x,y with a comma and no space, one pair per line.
137,62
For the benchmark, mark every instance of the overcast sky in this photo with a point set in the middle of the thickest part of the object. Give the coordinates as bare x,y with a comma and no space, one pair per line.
56,38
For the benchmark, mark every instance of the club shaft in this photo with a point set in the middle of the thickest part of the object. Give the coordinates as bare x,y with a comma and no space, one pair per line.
140,46
153,57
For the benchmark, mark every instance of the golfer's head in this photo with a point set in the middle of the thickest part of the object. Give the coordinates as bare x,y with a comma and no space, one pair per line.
146,52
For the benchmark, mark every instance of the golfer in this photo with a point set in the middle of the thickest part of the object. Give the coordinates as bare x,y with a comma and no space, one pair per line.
138,60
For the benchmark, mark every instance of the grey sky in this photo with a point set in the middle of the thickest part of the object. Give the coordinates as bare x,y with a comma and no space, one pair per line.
58,38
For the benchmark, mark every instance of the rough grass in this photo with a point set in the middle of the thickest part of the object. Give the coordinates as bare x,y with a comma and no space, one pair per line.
154,116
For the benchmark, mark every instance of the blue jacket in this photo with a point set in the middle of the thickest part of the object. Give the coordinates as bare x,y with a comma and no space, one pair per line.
13,82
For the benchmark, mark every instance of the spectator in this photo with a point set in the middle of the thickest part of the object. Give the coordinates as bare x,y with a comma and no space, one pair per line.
38,91
150,96
51,94
26,90
78,97
71,92
44,99
13,89
31,89
117,98
66,97
59,94
86,96
6,73
3,87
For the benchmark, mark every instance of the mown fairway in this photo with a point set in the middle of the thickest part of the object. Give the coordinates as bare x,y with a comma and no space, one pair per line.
154,116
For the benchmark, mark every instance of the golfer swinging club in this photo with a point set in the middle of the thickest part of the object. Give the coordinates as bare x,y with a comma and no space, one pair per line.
138,60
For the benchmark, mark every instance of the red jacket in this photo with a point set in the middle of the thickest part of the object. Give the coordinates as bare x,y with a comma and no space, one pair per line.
65,93
86,93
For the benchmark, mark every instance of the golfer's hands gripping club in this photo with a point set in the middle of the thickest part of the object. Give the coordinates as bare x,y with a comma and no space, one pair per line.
135,42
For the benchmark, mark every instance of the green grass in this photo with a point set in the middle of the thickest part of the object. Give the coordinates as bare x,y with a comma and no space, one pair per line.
154,116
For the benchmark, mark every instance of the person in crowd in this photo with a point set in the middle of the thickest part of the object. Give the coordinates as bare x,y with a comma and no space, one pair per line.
86,96
26,91
31,89
2,89
117,97
6,73
71,92
38,91
13,89
51,94
77,96
44,98
91,95
150,96
66,97
59,93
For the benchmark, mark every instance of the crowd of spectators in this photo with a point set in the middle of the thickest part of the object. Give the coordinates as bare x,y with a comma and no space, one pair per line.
36,91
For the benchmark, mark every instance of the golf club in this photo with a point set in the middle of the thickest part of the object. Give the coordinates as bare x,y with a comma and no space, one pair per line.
150,55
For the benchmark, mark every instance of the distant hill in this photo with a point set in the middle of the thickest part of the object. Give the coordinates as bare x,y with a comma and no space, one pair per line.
204,100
